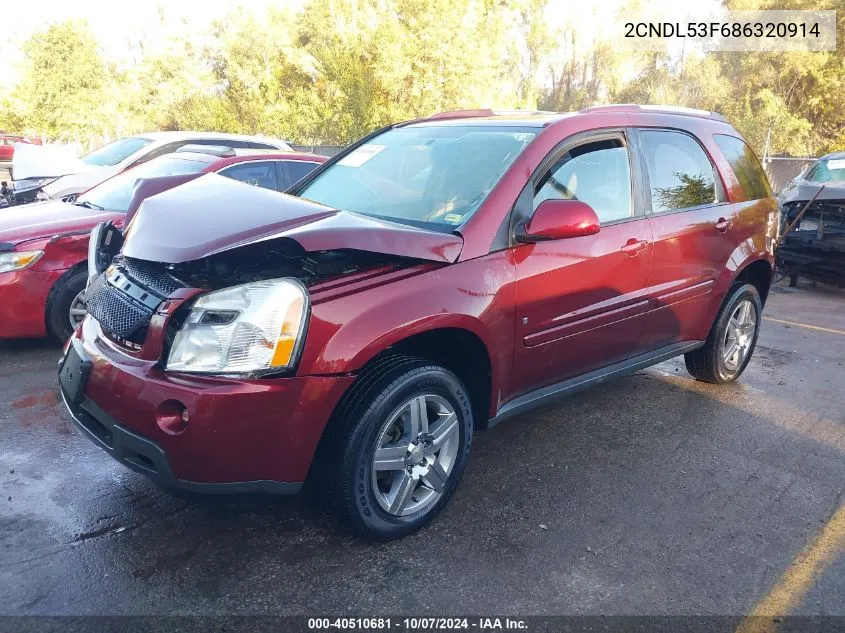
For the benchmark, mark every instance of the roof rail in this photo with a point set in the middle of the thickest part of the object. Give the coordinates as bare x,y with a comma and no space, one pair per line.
462,114
668,109
485,112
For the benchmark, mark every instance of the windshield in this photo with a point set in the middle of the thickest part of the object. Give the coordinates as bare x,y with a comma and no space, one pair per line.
830,170
115,194
115,152
427,176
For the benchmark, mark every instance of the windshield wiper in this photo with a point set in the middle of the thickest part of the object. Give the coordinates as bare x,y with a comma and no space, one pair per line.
89,205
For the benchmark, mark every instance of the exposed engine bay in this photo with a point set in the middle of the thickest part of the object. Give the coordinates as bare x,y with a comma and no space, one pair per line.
814,246
277,258
124,292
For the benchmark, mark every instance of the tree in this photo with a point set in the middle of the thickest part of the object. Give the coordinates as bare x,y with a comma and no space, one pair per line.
64,81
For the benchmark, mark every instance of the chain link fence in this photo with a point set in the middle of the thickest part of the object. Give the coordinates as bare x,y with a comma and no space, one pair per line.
322,150
781,170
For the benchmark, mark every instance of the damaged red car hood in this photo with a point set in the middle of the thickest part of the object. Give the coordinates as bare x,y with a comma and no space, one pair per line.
213,214
45,219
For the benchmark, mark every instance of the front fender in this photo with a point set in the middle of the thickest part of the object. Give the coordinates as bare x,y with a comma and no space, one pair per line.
478,296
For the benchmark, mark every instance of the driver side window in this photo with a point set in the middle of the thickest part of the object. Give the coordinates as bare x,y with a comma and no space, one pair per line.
597,173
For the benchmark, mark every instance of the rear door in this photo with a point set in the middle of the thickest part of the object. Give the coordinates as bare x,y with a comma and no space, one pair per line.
692,224
580,301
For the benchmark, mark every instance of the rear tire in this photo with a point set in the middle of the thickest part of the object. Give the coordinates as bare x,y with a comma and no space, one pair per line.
418,416
64,295
732,339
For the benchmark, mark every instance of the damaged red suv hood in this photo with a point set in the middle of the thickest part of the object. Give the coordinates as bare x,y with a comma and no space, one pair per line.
213,214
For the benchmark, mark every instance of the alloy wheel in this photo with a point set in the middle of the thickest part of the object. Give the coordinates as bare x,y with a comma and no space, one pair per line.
77,310
739,335
415,454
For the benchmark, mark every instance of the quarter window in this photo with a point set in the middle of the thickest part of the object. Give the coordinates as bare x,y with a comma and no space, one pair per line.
679,172
745,166
298,169
597,173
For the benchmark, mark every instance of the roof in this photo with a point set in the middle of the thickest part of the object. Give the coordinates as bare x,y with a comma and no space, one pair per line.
833,155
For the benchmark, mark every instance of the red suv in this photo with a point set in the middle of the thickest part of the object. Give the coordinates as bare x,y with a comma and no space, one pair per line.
433,279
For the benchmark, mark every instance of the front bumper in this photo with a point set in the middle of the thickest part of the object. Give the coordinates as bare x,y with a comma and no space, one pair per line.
243,435
144,456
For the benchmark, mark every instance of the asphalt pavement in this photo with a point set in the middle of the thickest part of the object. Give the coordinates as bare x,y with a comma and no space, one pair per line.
655,494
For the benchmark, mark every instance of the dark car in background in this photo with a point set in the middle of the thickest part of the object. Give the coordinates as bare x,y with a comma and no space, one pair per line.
813,205
437,277
44,246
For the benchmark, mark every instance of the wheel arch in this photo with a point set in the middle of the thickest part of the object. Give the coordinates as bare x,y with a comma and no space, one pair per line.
461,351
76,268
758,273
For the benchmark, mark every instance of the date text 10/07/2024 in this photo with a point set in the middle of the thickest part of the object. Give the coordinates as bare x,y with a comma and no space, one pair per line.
417,624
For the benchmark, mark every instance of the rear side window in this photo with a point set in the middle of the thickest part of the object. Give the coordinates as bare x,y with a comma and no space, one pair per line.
258,173
679,172
745,166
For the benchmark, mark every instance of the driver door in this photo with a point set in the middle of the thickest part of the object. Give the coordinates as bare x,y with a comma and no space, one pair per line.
580,301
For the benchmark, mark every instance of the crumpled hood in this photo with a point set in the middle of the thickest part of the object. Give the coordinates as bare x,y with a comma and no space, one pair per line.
46,219
36,161
213,214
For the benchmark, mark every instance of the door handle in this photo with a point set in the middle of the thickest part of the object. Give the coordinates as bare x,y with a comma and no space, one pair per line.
633,246
722,225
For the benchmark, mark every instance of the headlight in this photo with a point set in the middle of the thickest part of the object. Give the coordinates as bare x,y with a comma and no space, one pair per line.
17,260
256,328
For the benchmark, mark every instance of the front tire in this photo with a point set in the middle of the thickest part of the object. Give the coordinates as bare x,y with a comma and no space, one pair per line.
400,447
66,304
732,339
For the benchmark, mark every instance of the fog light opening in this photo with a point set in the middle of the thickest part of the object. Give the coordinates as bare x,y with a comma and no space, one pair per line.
172,417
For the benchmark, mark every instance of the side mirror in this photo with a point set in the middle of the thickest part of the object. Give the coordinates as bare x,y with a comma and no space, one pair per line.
560,219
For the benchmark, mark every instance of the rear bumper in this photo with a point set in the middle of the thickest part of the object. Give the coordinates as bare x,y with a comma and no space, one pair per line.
23,301
242,435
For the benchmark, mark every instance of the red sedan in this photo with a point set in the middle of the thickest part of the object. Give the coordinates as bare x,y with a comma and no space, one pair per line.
7,146
43,246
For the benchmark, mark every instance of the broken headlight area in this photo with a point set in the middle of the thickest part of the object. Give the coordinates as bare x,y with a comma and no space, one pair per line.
815,247
252,313
251,329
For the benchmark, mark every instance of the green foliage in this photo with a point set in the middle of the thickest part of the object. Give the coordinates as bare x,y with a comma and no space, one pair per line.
64,81
337,69
689,193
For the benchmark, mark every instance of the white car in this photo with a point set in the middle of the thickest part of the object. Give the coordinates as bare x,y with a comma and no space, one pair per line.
40,178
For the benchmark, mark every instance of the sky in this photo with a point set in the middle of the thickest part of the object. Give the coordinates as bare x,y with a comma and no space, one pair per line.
117,24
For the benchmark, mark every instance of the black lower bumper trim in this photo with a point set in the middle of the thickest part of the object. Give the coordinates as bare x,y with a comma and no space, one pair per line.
144,456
